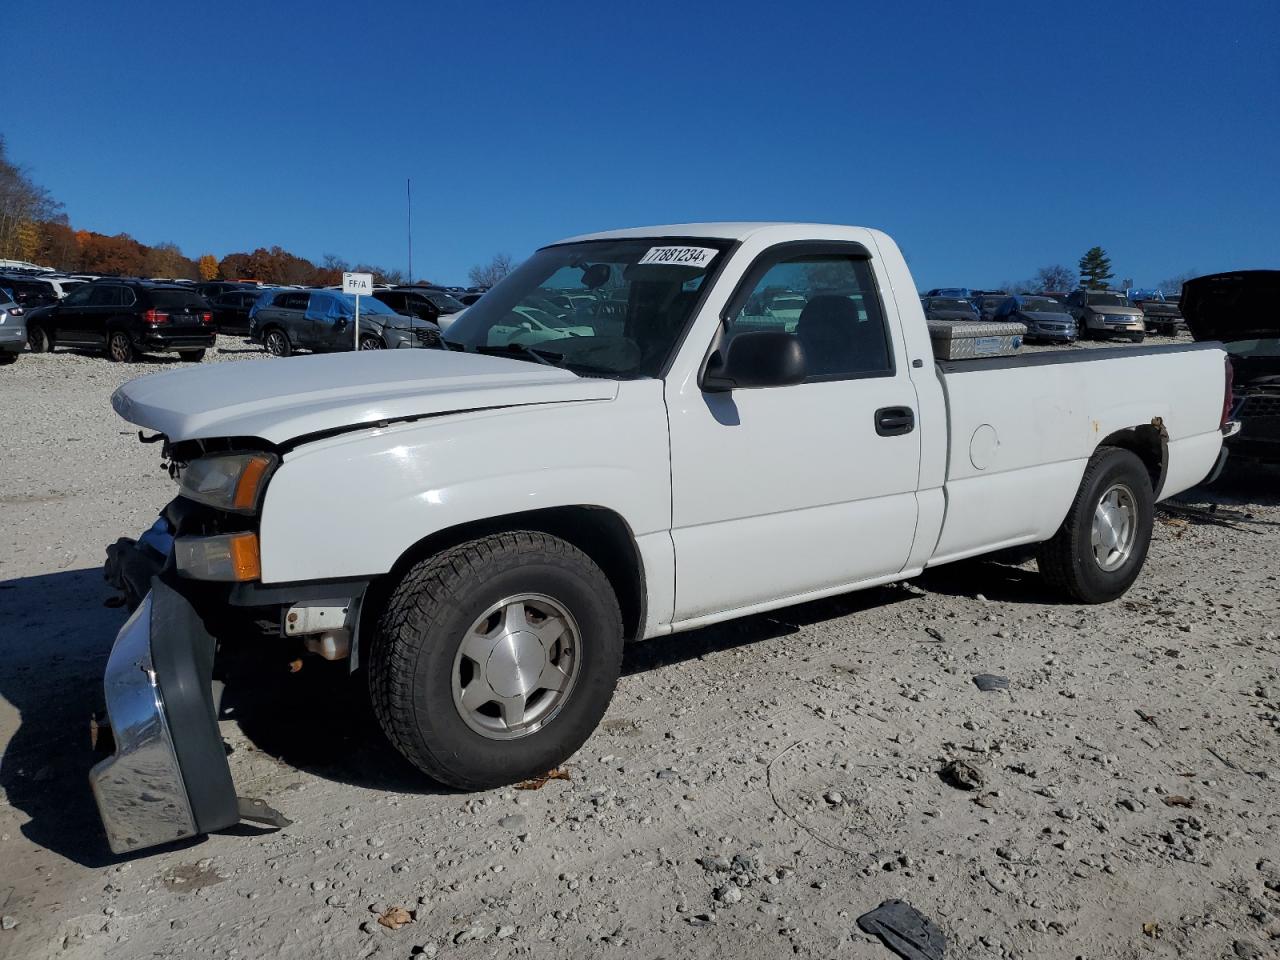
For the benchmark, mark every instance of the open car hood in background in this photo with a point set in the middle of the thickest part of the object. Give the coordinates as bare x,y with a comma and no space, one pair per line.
1243,305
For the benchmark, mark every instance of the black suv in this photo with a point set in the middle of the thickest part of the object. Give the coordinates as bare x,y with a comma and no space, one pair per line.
125,318
425,303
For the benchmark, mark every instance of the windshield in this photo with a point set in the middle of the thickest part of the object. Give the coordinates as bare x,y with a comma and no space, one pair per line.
1106,300
611,307
990,303
1264,347
368,305
445,303
938,303
1042,305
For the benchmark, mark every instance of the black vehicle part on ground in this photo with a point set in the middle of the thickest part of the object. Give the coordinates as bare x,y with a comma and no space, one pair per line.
904,930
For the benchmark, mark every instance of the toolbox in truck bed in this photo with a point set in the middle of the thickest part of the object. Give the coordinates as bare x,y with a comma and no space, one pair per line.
964,339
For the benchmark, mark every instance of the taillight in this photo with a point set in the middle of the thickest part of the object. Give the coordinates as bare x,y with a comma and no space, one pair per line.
1228,398
206,317
155,317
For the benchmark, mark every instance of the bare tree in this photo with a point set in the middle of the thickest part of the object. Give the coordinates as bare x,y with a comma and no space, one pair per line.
1174,283
23,205
492,272
1055,277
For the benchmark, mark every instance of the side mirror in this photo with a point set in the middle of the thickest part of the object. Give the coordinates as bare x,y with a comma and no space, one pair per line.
765,358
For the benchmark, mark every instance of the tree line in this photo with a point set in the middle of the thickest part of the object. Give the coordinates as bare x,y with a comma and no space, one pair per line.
34,227
1093,271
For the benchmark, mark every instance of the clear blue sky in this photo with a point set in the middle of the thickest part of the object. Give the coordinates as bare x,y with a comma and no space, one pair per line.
989,138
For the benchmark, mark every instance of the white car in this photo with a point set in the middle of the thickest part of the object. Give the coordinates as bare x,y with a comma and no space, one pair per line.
529,508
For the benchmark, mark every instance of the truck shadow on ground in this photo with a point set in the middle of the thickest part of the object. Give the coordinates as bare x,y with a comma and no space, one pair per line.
55,635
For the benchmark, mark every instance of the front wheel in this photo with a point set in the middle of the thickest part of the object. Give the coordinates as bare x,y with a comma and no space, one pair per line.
190,356
277,342
1137,337
120,347
1099,550
370,342
495,660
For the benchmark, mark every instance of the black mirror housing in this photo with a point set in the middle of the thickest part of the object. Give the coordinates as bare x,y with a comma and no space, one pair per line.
764,358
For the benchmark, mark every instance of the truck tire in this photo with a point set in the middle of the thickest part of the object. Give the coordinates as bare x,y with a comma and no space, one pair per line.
493,661
1099,550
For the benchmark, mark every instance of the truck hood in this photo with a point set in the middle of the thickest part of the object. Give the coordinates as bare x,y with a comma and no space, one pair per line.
1244,305
284,399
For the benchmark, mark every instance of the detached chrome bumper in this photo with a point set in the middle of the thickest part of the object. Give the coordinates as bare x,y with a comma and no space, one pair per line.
169,777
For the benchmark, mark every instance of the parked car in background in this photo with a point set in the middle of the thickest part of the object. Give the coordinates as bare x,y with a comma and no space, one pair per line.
30,291
427,303
468,298
125,318
1044,318
215,288
324,321
988,302
1242,310
13,329
1106,313
948,308
964,293
231,308
1160,316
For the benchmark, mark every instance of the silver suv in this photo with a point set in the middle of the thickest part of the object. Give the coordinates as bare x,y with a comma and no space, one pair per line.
324,320
13,329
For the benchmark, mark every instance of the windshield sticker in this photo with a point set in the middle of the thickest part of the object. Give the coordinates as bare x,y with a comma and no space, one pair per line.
680,256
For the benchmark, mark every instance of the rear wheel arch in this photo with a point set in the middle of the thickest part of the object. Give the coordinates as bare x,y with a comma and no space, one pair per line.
602,534
1149,442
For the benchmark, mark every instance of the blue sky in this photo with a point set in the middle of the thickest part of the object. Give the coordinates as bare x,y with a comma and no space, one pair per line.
989,139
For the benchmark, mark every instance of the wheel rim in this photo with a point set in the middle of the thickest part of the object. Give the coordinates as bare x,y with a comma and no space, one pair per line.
275,343
516,666
1115,527
119,347
370,343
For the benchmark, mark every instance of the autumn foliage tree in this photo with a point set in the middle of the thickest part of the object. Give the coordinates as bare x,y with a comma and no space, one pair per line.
208,266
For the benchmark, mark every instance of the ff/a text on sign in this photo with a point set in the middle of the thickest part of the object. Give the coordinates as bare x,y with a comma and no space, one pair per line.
361,284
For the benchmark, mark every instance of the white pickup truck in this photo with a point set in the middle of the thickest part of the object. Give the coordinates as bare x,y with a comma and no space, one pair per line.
636,433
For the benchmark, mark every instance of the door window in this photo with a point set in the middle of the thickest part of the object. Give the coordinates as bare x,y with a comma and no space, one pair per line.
827,301
105,296
78,298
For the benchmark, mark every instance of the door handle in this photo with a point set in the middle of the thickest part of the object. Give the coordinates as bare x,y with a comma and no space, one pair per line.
895,421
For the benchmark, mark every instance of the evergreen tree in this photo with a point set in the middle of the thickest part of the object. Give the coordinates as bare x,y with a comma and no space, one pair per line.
1095,268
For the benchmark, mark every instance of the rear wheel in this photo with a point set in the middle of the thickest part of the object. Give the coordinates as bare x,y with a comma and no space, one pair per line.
1099,550
370,342
191,356
7,358
38,340
495,660
120,347
277,342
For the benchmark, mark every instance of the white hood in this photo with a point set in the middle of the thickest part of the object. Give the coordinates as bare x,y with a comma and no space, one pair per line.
282,399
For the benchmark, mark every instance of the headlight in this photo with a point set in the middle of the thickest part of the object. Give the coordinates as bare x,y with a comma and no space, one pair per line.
232,482
232,557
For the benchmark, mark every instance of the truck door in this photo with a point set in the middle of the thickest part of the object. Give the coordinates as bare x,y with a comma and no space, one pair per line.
785,491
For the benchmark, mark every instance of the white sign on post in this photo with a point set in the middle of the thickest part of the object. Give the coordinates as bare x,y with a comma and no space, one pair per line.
360,284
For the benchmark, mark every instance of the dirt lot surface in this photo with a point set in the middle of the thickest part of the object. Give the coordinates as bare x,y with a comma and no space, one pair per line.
755,786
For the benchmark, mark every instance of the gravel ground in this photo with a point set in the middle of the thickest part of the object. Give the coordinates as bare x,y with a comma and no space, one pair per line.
754,788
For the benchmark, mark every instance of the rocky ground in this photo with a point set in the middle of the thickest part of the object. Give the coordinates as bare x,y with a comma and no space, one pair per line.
754,788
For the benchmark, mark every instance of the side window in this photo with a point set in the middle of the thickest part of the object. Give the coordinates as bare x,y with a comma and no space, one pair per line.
127,297
105,296
830,303
78,297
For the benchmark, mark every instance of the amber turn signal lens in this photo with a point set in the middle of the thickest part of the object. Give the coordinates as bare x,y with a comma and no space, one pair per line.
250,482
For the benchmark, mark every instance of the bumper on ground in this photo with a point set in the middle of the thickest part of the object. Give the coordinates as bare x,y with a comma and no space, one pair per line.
169,777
